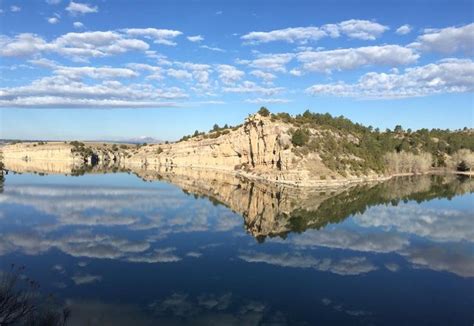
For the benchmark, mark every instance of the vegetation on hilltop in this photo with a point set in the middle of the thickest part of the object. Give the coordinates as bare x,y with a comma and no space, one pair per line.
344,145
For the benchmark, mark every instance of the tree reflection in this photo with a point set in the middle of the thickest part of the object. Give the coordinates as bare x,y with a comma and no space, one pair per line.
21,303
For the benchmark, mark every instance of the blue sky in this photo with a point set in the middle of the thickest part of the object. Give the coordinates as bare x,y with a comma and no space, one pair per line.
125,69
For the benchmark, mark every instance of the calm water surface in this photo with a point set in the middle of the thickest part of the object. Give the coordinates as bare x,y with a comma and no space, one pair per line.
121,251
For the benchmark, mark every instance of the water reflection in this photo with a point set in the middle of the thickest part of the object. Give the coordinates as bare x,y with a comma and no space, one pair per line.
184,243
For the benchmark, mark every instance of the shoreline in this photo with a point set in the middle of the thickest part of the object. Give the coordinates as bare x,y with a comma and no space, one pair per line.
169,169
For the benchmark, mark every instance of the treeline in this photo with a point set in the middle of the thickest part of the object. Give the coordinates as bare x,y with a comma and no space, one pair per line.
343,141
215,132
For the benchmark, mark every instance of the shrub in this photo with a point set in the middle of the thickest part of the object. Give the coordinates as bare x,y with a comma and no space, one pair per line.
264,111
300,137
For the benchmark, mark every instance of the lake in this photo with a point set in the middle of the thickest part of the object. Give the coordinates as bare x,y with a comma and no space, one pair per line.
118,249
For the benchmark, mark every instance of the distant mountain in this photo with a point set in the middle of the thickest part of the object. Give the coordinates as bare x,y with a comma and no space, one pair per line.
141,140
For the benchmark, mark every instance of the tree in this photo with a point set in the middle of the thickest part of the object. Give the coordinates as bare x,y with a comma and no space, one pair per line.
215,127
398,129
300,137
22,304
196,133
264,111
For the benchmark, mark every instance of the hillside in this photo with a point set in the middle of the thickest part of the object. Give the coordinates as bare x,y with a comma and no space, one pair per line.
307,149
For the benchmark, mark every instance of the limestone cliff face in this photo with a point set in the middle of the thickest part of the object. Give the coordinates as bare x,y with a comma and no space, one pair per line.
51,151
260,148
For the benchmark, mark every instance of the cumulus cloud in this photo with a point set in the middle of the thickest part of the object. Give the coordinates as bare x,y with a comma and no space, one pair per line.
78,25
62,91
159,36
195,38
78,46
25,44
445,76
179,74
251,87
356,29
447,40
212,48
15,8
265,76
229,74
403,30
76,8
53,2
267,100
53,20
344,59
273,62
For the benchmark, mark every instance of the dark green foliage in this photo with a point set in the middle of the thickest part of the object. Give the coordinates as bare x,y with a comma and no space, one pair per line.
336,144
463,166
264,111
300,137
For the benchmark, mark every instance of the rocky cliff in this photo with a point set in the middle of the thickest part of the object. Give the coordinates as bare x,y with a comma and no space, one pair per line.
261,149
264,147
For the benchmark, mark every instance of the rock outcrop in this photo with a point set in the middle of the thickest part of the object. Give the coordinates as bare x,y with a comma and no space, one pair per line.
259,149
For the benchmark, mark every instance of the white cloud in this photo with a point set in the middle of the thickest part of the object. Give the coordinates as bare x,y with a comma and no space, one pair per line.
25,44
53,2
273,62
267,100
361,29
60,91
75,8
403,30
179,74
77,46
159,36
357,29
200,72
78,25
95,44
229,74
95,72
445,76
265,76
344,59
447,40
195,38
290,35
53,20
15,8
211,48
251,87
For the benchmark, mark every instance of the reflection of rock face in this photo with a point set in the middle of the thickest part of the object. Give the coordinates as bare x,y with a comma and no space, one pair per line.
265,207
40,166
271,210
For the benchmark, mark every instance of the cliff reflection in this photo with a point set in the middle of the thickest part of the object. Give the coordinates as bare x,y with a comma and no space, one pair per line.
271,210
268,210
